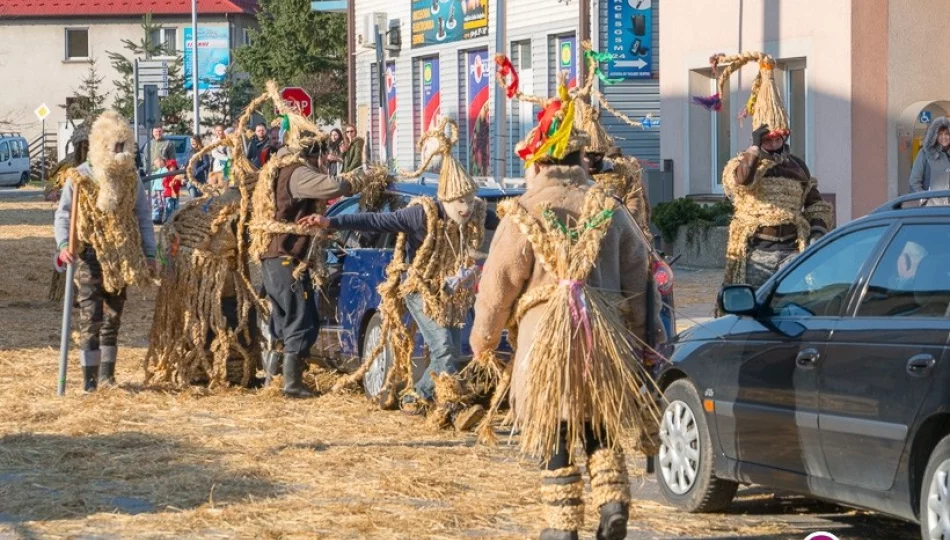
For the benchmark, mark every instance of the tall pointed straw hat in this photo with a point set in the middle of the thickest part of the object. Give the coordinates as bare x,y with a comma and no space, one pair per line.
454,181
765,101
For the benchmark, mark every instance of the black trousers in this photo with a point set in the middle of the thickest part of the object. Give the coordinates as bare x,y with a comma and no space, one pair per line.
293,317
562,458
100,312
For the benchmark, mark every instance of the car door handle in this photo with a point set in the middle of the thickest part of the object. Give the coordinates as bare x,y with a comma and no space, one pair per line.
921,365
807,359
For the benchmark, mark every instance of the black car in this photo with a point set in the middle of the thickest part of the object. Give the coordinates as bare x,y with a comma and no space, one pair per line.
831,380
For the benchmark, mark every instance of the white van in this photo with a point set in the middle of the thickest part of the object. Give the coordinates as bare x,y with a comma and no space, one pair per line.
14,160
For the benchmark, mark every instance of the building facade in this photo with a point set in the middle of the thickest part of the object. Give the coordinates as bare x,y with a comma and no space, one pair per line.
445,66
46,48
857,78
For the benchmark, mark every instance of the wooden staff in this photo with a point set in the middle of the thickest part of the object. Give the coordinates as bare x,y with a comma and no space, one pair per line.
70,291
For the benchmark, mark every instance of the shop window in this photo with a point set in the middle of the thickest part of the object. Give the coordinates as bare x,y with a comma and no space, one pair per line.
795,96
167,40
77,44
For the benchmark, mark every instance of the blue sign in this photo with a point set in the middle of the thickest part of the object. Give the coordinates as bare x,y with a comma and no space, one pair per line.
629,38
925,117
214,56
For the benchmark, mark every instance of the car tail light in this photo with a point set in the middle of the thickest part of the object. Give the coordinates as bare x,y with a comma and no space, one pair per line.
663,277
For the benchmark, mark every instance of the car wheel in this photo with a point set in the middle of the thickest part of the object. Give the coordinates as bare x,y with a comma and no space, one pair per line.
24,180
684,467
935,494
375,378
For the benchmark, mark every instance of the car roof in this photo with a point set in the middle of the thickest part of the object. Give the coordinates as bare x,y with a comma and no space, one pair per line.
895,207
429,189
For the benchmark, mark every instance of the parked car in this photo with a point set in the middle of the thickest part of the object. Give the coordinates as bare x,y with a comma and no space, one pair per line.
182,148
831,380
350,324
14,160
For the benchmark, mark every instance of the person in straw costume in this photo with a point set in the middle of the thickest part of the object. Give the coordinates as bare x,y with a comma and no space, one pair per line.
778,209
292,190
432,276
567,273
116,241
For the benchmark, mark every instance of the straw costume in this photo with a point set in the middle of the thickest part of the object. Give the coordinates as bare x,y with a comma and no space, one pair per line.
431,277
116,240
567,274
778,207
204,328
621,176
294,187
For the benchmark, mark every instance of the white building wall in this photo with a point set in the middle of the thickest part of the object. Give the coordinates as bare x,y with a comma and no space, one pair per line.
814,30
32,61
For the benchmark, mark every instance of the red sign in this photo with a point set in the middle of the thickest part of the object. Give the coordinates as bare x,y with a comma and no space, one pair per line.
298,100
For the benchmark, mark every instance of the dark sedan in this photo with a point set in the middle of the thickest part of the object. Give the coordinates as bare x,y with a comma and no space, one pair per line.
831,380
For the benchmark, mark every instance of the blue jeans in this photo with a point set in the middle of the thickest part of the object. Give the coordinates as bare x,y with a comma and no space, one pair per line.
171,205
445,347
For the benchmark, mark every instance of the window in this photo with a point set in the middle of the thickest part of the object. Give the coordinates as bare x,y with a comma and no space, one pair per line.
722,137
524,54
820,284
77,44
16,150
246,36
795,103
167,40
4,152
913,277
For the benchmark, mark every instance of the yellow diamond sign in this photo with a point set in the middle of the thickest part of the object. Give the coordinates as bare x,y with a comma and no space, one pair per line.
42,112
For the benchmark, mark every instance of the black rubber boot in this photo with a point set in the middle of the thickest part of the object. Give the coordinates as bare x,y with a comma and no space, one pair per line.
553,534
613,521
293,377
272,365
107,365
90,378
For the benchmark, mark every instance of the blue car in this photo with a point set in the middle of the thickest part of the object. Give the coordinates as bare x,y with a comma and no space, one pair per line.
350,323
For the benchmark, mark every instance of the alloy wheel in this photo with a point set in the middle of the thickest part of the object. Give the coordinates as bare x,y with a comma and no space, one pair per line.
375,378
679,448
938,503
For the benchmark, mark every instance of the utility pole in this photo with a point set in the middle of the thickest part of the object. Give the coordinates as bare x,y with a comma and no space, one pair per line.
194,64
501,107
381,84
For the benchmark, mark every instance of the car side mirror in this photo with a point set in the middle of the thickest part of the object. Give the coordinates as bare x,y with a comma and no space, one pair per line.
738,300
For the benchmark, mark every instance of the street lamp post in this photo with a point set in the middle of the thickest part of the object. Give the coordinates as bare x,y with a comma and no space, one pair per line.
194,64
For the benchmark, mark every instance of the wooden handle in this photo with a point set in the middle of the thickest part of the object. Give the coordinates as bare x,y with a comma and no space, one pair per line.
73,222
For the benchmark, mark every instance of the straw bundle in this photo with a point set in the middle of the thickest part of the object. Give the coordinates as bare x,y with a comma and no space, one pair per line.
765,103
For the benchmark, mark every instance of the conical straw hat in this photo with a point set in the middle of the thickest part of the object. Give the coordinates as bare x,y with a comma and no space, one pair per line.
454,181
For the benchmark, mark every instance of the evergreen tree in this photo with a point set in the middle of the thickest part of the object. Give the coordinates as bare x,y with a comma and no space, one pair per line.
297,47
88,99
176,105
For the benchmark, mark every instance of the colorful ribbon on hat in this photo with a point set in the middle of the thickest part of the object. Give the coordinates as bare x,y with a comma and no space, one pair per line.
506,70
555,136
580,317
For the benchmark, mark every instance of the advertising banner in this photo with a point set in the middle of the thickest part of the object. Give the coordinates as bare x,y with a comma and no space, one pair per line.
214,56
629,36
567,58
391,104
479,78
431,98
447,21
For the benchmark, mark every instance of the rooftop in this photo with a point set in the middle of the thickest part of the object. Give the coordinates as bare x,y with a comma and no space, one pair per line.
113,8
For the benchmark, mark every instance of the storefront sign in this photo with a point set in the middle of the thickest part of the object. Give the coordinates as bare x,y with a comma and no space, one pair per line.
214,56
567,58
447,21
431,98
479,78
629,38
391,104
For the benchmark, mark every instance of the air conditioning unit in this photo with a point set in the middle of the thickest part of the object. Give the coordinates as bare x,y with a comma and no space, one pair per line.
367,38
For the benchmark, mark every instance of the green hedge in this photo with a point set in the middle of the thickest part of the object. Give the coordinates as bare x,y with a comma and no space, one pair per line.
669,217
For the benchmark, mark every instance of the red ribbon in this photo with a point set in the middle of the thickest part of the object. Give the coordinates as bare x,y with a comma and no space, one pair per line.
545,118
505,70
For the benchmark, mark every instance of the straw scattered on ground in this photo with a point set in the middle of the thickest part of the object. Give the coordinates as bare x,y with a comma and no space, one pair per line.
146,462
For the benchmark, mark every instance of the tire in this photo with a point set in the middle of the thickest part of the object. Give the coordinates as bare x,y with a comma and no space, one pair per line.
24,180
375,378
935,514
685,445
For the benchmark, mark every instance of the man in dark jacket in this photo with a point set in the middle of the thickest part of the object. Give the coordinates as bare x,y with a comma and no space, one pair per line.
258,149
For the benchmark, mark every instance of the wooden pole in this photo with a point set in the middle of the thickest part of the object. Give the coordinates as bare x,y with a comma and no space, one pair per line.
70,292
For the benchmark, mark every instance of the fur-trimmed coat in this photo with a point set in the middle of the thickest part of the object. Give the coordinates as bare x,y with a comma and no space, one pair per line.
932,166
512,270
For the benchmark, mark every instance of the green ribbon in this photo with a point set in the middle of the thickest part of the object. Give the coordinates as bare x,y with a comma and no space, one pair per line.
601,57
285,122
575,233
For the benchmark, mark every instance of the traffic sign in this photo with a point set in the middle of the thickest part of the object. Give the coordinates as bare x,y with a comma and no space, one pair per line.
42,112
925,117
154,72
298,100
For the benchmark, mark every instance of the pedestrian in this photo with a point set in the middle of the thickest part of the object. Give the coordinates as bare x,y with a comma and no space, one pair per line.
116,245
335,157
352,150
201,168
431,277
258,148
171,189
287,192
220,156
567,273
161,147
931,170
159,169
778,209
